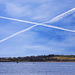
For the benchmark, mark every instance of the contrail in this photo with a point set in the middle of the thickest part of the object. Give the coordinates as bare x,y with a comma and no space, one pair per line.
38,24
31,28
59,17
18,20
17,33
58,28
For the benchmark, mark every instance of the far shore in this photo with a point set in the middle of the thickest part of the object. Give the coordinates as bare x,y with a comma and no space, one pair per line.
40,58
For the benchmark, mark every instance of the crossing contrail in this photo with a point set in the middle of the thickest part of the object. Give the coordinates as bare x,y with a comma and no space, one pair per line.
59,17
36,24
55,19
31,28
17,33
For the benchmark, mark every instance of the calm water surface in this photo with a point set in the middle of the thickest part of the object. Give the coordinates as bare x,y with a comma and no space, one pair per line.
37,68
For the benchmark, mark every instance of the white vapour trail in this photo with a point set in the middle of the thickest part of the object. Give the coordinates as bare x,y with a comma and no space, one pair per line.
38,24
32,27
18,20
58,28
17,33
59,17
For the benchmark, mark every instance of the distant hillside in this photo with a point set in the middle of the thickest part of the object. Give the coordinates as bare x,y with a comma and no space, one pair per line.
41,58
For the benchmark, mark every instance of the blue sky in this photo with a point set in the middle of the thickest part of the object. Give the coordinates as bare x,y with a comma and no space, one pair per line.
39,40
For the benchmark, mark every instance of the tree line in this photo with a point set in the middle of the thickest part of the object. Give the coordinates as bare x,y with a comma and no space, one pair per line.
40,58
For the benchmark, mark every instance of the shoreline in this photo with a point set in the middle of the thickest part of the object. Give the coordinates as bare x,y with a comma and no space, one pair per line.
41,58
40,61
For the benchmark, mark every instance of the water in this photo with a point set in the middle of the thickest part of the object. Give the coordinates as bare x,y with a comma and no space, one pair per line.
37,68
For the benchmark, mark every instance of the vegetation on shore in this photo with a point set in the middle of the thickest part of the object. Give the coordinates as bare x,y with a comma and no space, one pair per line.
41,58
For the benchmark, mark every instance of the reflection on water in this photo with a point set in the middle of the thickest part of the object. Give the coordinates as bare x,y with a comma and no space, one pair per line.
37,68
